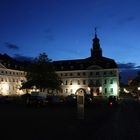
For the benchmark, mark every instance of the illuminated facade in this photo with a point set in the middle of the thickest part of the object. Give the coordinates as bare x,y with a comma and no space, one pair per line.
10,81
96,75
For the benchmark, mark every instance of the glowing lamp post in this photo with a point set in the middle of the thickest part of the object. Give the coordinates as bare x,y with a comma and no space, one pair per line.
138,93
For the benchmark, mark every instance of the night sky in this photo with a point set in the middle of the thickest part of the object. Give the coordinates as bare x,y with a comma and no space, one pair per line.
64,29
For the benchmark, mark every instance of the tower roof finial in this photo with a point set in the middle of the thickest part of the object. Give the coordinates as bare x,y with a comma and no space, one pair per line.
96,51
95,32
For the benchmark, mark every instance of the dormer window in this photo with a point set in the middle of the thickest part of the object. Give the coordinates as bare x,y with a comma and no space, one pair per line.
71,67
81,66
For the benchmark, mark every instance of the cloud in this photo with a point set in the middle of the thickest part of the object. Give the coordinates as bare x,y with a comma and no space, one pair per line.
22,58
127,65
127,20
128,70
129,73
137,67
11,46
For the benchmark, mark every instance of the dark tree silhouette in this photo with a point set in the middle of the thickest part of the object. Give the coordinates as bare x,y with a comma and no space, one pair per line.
42,75
136,81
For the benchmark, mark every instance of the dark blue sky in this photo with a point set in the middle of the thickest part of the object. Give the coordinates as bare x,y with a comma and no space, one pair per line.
64,28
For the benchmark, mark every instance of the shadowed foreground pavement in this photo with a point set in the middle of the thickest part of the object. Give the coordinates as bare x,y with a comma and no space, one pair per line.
60,122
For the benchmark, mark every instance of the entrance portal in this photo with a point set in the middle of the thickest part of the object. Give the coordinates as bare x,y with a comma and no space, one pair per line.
80,103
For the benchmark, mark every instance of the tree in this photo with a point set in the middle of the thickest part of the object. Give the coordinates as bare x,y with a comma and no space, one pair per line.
136,80
135,84
42,75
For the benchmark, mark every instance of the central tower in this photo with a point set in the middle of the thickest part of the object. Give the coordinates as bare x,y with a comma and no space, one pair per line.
96,51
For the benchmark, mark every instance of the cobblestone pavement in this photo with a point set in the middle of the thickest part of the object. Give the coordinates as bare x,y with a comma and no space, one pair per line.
60,122
124,123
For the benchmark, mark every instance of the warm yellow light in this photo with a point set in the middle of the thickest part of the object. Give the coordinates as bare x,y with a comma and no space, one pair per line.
75,88
125,90
100,89
88,88
4,88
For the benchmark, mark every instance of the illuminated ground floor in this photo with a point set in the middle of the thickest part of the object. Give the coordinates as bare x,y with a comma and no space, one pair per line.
10,81
104,82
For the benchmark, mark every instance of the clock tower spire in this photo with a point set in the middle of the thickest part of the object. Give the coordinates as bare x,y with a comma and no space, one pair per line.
96,50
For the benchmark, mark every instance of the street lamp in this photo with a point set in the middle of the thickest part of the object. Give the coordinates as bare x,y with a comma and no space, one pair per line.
138,93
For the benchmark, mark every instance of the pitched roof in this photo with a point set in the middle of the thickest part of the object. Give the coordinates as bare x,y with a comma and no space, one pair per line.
84,64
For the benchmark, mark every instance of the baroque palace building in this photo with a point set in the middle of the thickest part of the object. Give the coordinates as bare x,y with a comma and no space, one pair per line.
96,75
11,76
10,81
